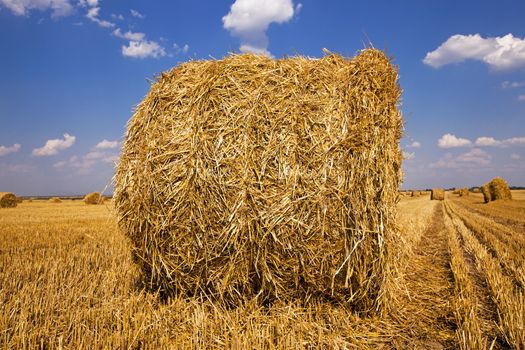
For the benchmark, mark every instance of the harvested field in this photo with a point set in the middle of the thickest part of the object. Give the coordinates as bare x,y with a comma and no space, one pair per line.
68,281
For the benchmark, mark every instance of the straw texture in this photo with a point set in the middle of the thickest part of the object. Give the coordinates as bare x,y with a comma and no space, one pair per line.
8,200
499,189
275,179
437,194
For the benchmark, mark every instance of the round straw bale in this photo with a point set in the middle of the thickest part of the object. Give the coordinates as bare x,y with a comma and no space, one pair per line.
93,198
437,194
415,194
55,200
499,189
476,190
463,192
8,200
254,177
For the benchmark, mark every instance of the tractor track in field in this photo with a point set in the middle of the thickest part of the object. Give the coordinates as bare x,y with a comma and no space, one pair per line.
487,310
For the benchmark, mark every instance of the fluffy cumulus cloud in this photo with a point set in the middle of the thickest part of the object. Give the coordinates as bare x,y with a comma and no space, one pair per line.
59,8
505,52
129,35
452,141
521,98
54,146
488,141
106,144
179,49
249,20
473,158
11,149
143,49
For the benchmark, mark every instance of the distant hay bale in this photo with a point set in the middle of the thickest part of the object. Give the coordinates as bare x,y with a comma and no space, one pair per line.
499,189
93,198
455,192
55,200
415,194
19,200
476,190
485,189
8,200
253,177
437,194
463,192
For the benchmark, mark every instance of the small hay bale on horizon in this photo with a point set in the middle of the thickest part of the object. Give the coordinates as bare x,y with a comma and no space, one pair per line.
8,200
499,189
437,194
94,198
55,200
415,194
463,192
228,165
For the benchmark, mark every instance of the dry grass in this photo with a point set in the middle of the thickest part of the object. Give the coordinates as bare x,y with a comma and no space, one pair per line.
250,177
55,200
8,200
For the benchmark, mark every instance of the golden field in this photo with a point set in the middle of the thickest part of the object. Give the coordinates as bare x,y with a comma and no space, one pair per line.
67,282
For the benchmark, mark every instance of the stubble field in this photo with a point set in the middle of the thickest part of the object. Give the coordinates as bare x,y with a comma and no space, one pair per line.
67,281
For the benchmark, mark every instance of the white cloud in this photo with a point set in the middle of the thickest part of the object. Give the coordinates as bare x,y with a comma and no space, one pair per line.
92,15
298,8
185,48
143,49
59,8
512,84
472,158
54,146
129,35
414,144
249,20
521,97
11,149
515,156
136,14
84,164
475,156
88,3
492,142
451,141
409,155
105,144
506,52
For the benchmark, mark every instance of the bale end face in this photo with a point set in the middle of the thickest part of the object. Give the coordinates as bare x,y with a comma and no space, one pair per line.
250,177
8,200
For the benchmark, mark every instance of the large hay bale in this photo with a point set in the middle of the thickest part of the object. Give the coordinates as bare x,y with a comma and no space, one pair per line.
8,200
93,198
250,176
485,189
55,200
463,192
499,189
437,194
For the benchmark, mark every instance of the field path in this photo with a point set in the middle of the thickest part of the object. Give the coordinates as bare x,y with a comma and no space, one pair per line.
430,289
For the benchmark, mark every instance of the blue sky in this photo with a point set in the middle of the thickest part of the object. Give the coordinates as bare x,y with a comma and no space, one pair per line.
71,72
